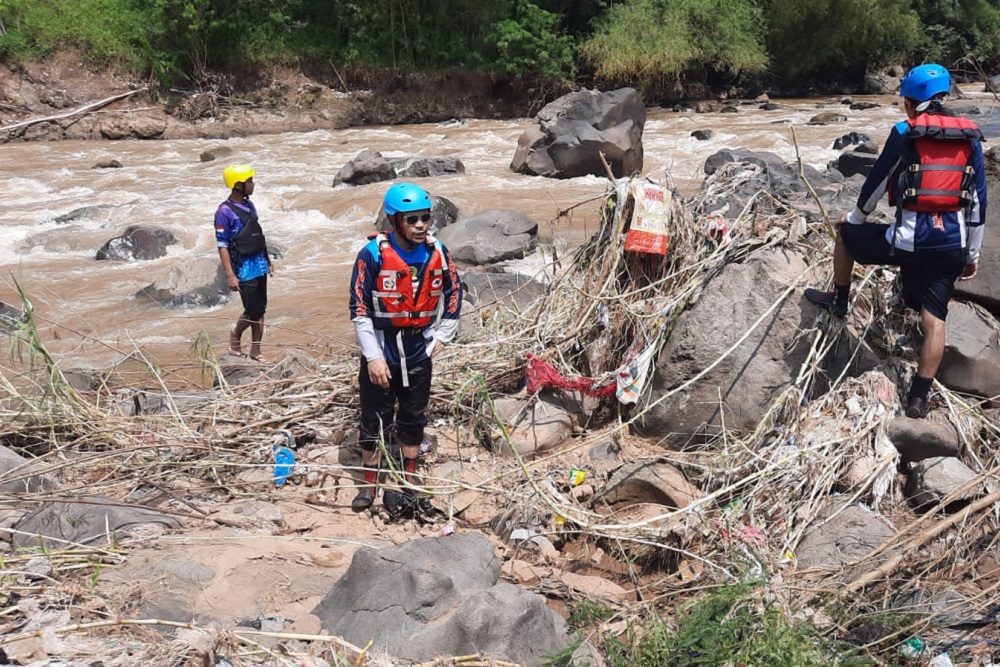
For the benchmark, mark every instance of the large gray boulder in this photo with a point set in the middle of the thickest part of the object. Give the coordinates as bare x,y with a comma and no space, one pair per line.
137,243
775,176
850,163
984,289
133,126
930,481
740,389
199,282
919,439
655,482
21,475
99,213
367,167
425,167
571,133
842,536
87,520
489,290
490,236
534,426
971,362
439,596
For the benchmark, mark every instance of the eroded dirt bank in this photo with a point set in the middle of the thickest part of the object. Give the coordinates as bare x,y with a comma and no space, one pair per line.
62,98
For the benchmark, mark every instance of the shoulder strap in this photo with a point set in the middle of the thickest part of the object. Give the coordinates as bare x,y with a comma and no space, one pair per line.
245,216
436,247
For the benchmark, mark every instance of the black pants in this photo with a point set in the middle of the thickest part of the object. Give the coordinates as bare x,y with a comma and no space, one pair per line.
379,406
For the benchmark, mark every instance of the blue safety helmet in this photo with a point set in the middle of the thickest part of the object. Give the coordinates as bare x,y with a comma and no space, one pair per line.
925,82
405,197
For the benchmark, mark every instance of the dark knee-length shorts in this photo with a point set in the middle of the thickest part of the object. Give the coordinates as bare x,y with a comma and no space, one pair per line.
253,294
927,278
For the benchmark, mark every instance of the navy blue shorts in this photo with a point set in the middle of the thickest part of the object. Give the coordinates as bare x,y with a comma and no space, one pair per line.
928,279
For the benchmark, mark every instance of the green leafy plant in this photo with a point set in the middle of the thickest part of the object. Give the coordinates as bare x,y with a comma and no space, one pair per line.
588,613
532,43
734,624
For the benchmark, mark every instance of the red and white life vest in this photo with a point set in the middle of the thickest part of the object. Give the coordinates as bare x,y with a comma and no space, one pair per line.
397,303
936,175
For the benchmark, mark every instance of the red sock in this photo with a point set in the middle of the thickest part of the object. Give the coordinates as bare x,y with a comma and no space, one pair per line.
370,475
410,468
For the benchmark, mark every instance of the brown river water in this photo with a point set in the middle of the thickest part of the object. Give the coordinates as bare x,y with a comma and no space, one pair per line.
89,317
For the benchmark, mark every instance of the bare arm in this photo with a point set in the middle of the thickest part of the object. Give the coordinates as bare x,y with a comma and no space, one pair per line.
227,264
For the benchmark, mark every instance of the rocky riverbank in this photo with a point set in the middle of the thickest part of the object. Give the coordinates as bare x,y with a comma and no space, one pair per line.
612,436
765,457
82,103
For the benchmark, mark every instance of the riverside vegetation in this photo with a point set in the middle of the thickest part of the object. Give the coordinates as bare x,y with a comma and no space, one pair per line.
541,44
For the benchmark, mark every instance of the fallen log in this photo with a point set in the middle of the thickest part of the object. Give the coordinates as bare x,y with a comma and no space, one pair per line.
82,110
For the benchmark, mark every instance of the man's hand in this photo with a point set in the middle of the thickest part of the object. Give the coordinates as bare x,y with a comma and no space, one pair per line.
438,347
233,282
270,269
970,271
842,220
378,373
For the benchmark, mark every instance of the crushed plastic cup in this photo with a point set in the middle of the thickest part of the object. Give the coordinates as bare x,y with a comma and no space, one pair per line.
576,476
943,660
912,648
717,227
284,462
448,529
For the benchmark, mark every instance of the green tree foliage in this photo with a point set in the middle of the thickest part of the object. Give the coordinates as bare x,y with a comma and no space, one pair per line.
648,43
401,33
825,36
33,28
955,29
654,38
530,43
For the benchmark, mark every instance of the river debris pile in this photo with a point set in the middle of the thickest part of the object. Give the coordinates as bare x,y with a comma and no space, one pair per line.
819,500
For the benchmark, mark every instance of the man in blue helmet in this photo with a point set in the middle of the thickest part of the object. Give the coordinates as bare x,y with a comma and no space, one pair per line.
932,169
406,298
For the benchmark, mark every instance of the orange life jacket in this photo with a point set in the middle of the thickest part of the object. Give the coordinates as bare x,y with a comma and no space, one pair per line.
936,175
395,304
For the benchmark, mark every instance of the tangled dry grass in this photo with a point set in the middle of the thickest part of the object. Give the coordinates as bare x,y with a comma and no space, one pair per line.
761,490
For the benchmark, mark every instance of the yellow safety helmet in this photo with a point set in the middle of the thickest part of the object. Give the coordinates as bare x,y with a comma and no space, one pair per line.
237,173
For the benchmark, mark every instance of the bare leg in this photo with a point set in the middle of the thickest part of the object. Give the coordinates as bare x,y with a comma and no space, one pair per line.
256,335
843,263
932,349
236,335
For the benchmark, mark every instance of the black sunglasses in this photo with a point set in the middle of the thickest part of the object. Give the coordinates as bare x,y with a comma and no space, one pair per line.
412,219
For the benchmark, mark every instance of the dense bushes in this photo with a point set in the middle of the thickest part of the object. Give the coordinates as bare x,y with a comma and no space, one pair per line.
642,42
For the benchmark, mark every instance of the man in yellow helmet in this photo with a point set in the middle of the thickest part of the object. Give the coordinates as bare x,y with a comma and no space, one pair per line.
244,256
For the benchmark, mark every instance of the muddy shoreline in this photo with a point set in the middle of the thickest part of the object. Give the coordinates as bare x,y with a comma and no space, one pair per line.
63,99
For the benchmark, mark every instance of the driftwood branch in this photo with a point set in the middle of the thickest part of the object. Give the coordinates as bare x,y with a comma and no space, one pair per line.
919,540
82,110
